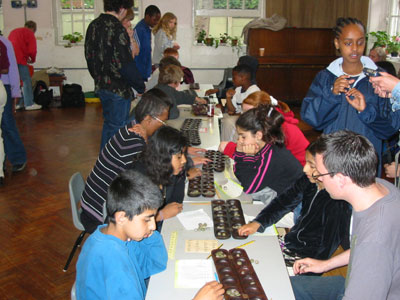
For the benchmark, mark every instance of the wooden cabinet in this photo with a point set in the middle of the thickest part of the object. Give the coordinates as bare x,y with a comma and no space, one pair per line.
292,58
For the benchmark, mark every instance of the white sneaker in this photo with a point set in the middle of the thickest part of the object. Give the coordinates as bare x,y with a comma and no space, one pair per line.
33,107
18,107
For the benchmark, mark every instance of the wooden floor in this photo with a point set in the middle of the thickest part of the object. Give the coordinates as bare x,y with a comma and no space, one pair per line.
36,227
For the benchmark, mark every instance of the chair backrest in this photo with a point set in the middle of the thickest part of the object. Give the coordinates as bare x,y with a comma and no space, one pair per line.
76,187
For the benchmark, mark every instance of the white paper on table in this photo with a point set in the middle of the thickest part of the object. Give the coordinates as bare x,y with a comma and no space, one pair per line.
191,219
193,273
271,230
230,188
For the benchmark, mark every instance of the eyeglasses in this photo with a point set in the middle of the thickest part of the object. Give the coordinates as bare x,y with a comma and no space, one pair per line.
161,121
316,177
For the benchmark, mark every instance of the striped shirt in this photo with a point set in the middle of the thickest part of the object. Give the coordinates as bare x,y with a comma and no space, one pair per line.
116,156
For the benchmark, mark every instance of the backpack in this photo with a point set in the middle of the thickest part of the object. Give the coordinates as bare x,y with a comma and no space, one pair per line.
42,95
72,96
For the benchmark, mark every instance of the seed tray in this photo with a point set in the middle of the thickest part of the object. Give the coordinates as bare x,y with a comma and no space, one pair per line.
202,186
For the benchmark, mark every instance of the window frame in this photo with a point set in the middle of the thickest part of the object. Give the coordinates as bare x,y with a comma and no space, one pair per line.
393,18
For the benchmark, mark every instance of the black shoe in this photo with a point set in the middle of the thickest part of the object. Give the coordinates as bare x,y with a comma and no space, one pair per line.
18,168
1,181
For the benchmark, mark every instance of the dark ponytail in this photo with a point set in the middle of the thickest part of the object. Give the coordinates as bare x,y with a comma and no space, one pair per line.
343,22
264,118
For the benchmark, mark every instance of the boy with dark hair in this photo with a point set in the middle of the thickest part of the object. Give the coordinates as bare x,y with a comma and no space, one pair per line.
142,35
169,81
346,164
118,257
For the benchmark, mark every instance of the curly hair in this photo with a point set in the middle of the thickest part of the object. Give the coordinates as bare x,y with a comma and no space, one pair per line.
163,24
164,143
266,119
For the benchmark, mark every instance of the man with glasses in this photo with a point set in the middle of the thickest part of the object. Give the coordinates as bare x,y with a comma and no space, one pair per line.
346,163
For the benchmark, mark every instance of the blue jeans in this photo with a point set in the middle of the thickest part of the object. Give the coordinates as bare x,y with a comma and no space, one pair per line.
13,146
115,113
318,288
27,88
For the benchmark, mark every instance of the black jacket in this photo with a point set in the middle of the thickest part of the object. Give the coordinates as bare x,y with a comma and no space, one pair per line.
323,223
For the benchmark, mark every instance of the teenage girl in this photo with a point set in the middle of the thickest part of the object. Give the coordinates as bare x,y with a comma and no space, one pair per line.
127,23
323,223
295,141
263,165
164,36
328,104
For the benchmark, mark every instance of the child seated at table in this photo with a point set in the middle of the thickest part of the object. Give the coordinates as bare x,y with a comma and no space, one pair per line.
241,75
263,165
169,81
323,223
295,141
187,73
118,257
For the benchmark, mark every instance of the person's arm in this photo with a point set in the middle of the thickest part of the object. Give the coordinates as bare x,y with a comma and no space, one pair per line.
32,48
230,99
13,74
131,74
182,97
320,107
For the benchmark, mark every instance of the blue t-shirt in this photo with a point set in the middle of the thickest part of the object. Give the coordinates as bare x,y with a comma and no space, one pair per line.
109,268
142,35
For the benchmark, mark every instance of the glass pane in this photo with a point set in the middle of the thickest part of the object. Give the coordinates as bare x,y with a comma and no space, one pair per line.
78,22
236,4
89,4
220,4
238,24
88,18
251,4
65,4
66,24
77,4
218,26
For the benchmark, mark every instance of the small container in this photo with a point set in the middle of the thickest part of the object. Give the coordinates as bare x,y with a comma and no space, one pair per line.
210,111
261,51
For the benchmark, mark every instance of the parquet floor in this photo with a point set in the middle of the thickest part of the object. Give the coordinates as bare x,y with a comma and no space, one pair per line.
36,230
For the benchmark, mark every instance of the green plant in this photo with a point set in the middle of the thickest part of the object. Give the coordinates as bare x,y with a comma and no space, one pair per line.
224,38
75,37
209,41
201,35
393,45
236,44
382,38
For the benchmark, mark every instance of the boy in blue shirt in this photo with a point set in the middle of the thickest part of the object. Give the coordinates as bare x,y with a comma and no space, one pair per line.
118,257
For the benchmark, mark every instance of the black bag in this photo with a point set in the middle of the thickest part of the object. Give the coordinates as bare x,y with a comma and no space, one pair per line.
42,95
72,96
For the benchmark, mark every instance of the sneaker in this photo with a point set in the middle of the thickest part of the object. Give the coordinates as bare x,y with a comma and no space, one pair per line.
18,168
33,107
18,107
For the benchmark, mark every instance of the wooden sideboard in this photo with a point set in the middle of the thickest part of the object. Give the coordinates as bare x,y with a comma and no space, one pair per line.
292,58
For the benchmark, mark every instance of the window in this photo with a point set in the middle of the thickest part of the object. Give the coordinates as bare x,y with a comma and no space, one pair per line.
217,17
394,18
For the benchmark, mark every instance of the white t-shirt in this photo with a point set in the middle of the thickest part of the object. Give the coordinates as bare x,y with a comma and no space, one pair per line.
238,98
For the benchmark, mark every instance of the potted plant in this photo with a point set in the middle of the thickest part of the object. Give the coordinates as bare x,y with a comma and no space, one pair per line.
209,41
223,38
73,38
201,35
236,44
382,38
393,46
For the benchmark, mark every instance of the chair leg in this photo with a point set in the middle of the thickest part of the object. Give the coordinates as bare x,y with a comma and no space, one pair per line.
76,245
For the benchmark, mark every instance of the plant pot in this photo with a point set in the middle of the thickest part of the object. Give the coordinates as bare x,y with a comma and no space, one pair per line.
209,41
234,42
222,41
394,54
199,41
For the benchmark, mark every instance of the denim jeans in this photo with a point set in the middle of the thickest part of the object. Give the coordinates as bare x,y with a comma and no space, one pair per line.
27,88
13,146
318,288
115,113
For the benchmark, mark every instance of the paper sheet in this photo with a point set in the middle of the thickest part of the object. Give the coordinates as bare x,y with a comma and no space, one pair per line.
200,246
193,273
191,219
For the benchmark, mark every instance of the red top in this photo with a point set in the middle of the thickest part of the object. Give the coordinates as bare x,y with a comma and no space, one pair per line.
295,141
24,42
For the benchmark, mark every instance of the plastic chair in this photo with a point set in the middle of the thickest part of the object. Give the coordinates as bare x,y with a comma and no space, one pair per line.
222,85
76,187
73,291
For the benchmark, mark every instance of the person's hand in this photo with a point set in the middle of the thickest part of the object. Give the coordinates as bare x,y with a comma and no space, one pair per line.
390,170
197,160
222,146
195,150
171,210
201,100
29,60
385,82
230,93
307,265
210,291
381,93
138,129
193,173
176,46
211,91
248,229
250,149
342,84
358,101
135,48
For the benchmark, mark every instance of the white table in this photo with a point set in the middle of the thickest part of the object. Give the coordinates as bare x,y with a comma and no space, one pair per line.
270,270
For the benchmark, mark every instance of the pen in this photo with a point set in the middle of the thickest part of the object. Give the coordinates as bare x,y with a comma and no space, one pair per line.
215,249
245,244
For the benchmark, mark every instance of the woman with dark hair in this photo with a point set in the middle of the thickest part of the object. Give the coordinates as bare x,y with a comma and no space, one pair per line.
263,165
164,162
